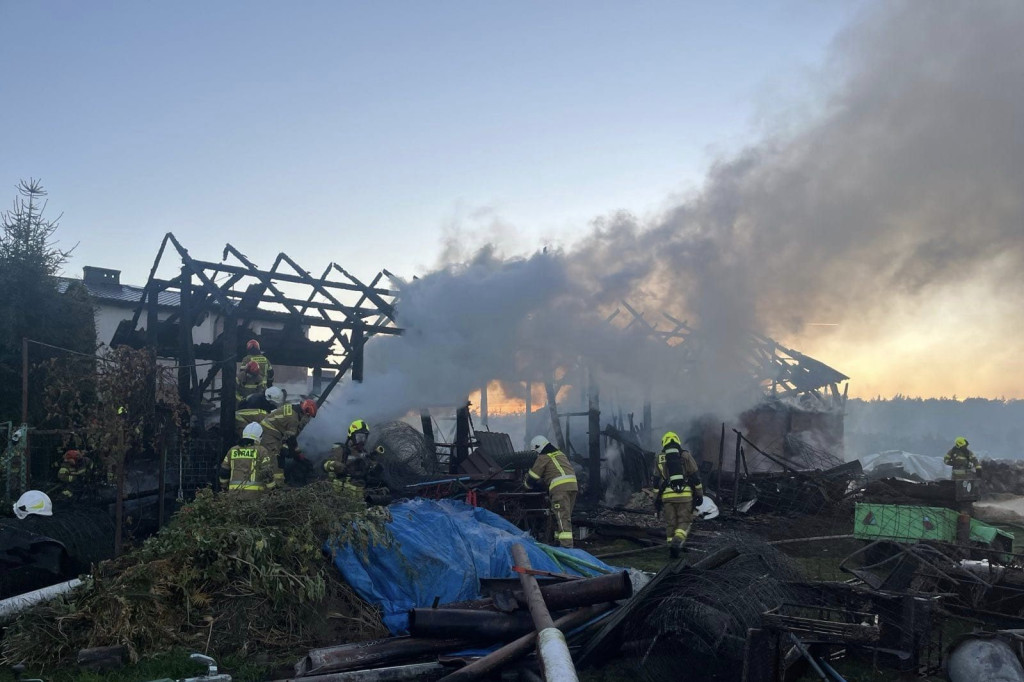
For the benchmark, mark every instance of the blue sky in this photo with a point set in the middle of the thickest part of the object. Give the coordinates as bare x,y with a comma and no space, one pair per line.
362,132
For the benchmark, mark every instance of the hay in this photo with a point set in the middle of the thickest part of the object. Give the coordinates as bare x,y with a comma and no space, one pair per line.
227,575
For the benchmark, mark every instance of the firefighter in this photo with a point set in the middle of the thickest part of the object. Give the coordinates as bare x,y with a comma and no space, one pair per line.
284,424
679,491
257,406
962,460
249,469
553,470
254,354
350,465
75,473
250,382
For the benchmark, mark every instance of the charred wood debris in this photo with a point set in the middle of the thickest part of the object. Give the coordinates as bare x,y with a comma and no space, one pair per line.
779,586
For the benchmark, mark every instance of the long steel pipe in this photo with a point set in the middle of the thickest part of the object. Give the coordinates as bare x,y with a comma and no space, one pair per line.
373,653
522,646
570,594
491,626
555,658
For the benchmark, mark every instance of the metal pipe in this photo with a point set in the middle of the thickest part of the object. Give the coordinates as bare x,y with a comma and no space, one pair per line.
491,626
359,655
20,602
570,594
556,661
398,673
522,646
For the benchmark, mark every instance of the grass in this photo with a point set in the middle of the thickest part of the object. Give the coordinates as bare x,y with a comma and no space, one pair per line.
173,665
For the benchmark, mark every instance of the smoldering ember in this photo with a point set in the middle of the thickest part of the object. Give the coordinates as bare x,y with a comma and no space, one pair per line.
646,451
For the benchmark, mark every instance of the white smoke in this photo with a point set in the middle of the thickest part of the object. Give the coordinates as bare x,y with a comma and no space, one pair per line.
905,184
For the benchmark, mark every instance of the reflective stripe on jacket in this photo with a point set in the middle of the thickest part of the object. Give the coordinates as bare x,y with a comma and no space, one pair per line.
554,470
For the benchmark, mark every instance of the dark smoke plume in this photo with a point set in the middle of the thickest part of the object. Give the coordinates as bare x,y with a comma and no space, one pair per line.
905,186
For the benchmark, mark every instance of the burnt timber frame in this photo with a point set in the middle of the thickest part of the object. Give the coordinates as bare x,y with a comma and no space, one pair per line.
781,372
241,299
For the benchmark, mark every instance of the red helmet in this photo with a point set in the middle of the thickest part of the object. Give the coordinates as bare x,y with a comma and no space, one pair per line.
308,407
253,367
72,455
253,345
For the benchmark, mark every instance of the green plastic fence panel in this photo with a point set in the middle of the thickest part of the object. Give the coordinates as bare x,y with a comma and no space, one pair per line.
905,523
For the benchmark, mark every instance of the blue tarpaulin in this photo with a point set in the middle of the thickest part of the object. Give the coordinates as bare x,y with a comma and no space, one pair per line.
442,549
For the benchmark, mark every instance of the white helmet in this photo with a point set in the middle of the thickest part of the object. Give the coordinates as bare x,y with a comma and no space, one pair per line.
539,443
33,502
253,431
274,395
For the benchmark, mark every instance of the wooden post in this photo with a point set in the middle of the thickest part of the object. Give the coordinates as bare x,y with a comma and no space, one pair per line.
721,462
358,342
529,411
461,439
185,354
229,347
26,451
556,425
594,441
736,473
318,380
428,429
648,440
24,380
483,405
163,482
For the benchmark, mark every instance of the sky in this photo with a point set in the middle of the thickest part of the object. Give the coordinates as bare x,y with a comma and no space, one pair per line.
404,135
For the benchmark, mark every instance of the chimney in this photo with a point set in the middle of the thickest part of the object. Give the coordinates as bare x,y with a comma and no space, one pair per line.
91,275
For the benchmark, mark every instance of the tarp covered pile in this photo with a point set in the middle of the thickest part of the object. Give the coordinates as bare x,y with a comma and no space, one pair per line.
441,551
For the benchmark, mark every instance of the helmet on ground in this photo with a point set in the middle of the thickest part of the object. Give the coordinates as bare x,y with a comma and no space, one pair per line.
253,431
358,426
670,437
539,443
253,345
308,406
72,455
274,395
33,502
253,367
961,442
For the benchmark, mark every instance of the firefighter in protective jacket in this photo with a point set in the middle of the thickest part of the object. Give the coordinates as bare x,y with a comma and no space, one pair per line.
350,465
76,473
962,459
553,470
284,424
679,491
249,469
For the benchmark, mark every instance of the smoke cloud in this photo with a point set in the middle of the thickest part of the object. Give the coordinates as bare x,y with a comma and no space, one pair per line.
903,187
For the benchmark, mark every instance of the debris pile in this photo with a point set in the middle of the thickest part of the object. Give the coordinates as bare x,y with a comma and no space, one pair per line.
1003,476
228,574
697,618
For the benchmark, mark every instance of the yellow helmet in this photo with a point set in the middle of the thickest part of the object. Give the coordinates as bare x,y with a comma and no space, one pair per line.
358,426
670,437
961,442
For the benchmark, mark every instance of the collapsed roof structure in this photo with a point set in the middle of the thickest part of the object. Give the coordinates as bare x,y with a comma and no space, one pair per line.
285,300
